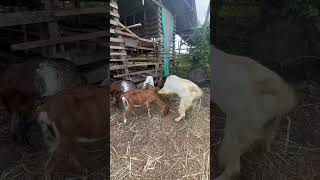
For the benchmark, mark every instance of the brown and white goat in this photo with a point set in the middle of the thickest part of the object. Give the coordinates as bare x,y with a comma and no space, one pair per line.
185,89
72,116
119,87
251,96
24,84
142,97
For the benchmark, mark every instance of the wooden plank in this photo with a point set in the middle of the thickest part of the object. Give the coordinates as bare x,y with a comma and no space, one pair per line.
117,60
126,34
144,64
132,26
117,40
112,31
142,58
79,11
116,67
114,5
134,73
117,47
114,14
128,30
117,54
27,17
32,17
60,40
113,22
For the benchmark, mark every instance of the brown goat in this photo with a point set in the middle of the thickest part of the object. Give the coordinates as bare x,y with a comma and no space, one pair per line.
142,97
24,84
119,87
71,116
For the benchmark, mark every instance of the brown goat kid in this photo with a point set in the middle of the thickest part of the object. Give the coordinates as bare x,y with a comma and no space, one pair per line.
74,115
142,97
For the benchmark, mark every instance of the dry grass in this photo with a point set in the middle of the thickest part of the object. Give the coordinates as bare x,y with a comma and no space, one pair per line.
295,153
159,148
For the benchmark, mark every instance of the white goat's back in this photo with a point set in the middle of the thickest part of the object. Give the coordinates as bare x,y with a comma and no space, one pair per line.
181,87
242,85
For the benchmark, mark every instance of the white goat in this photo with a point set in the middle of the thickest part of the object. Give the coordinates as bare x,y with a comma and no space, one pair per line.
185,89
251,96
149,80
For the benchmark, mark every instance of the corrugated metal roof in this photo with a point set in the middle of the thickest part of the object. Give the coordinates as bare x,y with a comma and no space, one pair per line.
185,12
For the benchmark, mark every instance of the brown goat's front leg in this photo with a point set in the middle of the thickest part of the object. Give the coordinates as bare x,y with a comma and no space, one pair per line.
60,153
126,112
148,108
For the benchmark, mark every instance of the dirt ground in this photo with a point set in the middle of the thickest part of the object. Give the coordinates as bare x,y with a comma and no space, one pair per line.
158,147
295,152
21,162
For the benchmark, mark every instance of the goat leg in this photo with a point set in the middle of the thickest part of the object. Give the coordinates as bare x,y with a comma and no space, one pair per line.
184,105
126,112
60,153
77,164
148,108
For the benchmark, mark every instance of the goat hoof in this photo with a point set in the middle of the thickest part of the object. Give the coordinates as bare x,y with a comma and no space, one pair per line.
177,119
125,121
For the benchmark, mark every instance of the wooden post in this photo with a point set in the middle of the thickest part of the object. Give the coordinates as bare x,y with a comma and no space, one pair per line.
52,26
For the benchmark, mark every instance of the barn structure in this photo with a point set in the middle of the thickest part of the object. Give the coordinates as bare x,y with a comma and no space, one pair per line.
142,40
71,29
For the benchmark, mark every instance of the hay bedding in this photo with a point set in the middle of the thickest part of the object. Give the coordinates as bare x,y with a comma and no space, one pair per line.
295,152
20,162
159,148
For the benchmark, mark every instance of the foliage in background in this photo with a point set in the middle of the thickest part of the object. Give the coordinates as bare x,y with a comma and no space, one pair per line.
309,10
201,46
200,50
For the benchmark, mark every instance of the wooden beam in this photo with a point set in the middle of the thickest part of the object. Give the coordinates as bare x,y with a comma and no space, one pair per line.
114,14
116,40
144,64
79,11
156,2
117,54
21,18
134,73
114,5
142,58
31,17
117,47
132,26
60,40
125,34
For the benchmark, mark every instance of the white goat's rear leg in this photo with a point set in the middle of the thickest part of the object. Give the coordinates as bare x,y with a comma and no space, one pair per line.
229,157
269,131
184,105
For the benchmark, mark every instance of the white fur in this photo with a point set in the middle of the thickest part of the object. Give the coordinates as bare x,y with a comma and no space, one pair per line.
185,89
125,86
250,95
49,76
44,121
149,80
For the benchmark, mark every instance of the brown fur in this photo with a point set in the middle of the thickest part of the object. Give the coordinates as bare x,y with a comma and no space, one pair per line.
143,97
116,89
76,113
